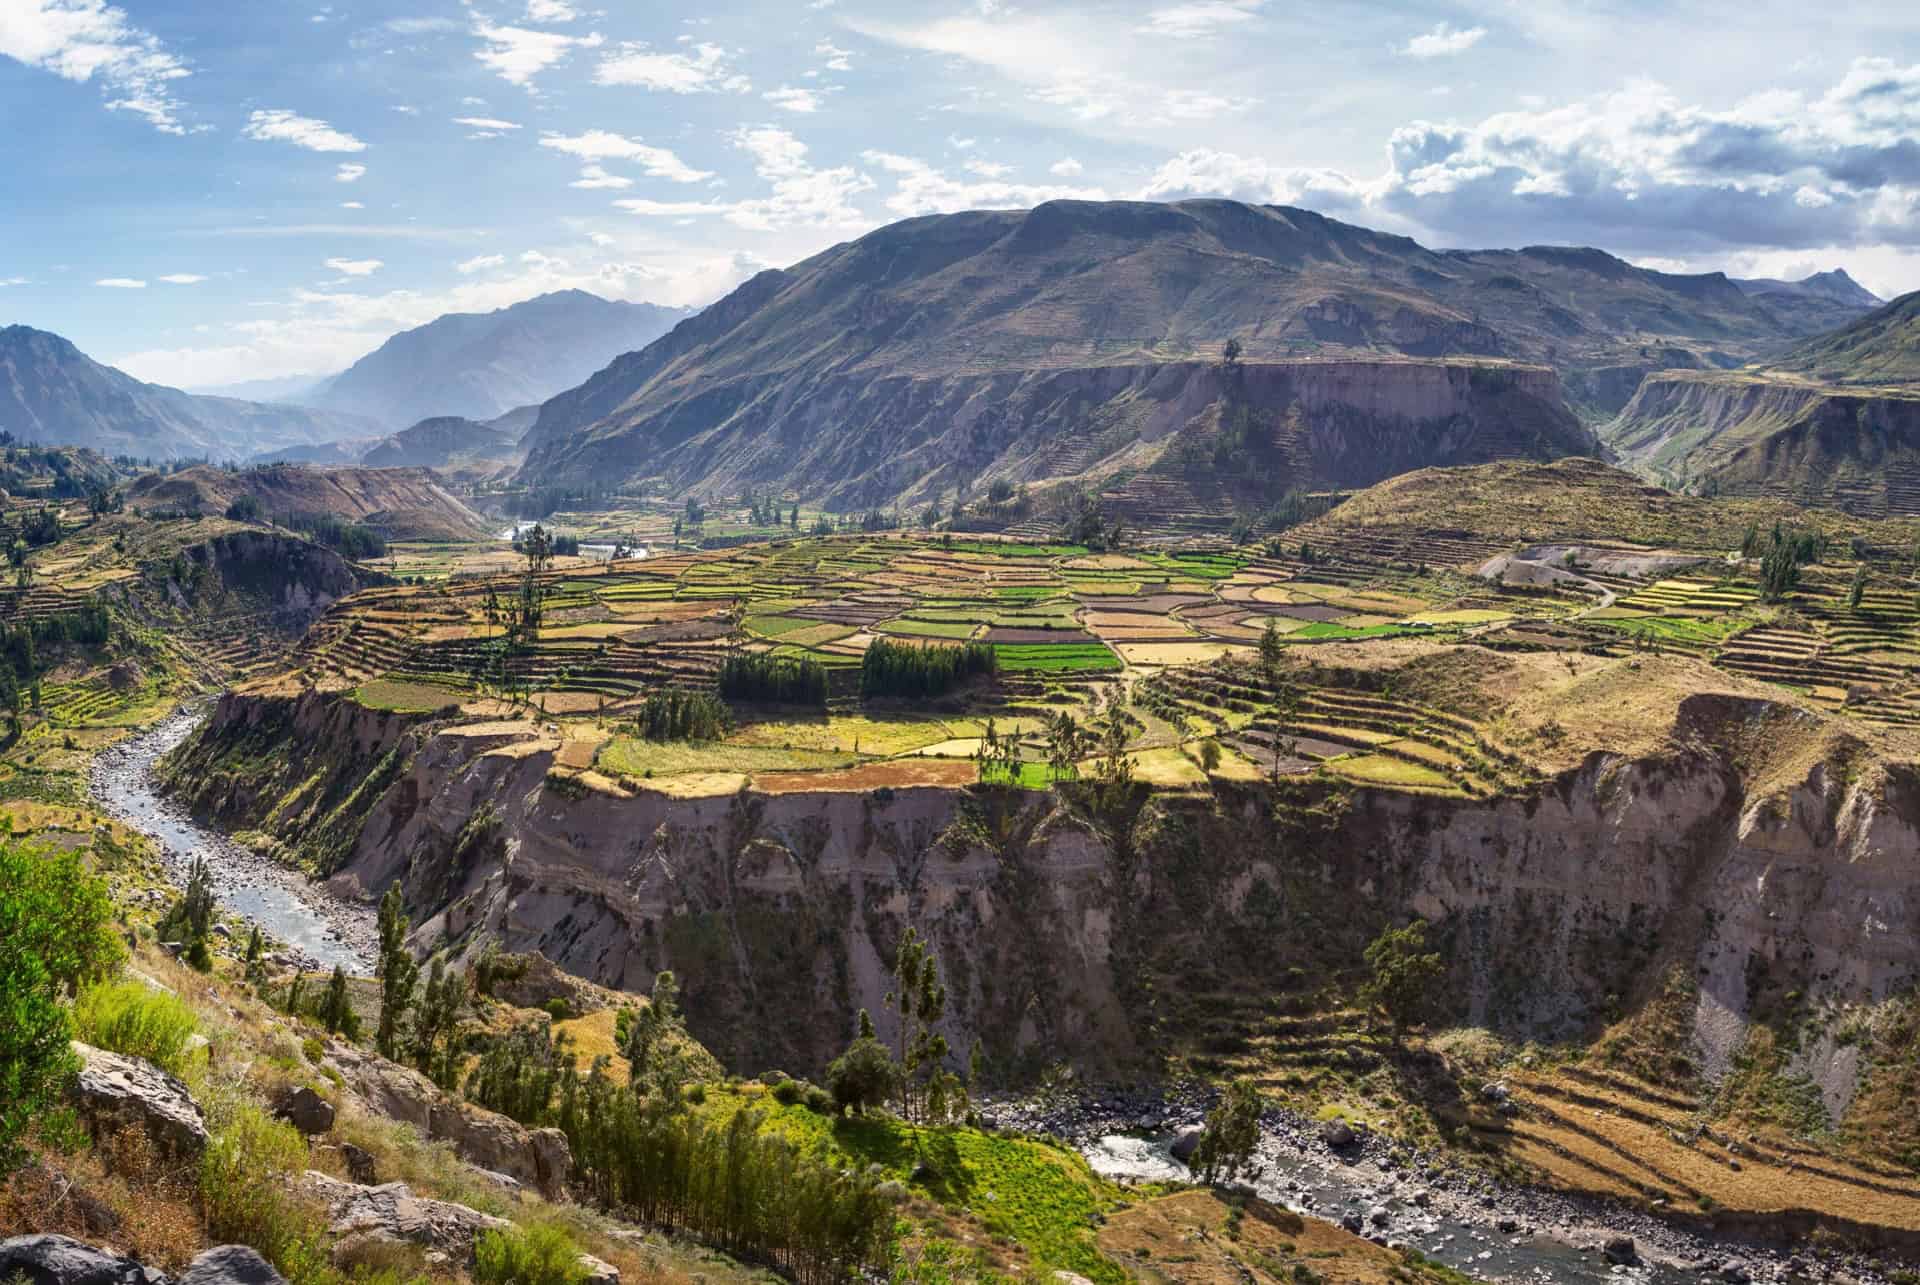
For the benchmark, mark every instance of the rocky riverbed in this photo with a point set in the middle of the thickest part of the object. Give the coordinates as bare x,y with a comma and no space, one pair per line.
311,927
1400,1196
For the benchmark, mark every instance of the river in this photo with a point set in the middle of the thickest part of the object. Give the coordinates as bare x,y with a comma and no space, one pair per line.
313,927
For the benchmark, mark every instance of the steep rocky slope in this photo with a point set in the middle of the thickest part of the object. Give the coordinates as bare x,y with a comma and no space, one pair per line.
1882,347
52,392
1688,825
479,365
1741,433
1825,300
448,441
944,316
405,504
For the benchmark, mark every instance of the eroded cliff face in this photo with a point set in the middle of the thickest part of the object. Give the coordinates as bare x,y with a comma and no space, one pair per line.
1108,937
859,439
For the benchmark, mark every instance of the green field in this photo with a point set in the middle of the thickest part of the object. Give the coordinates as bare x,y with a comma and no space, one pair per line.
1054,657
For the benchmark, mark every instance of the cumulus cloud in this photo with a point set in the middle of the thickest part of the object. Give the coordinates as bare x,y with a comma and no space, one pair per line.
302,131
790,99
121,283
480,263
355,267
919,188
837,59
518,54
603,145
800,195
1444,42
183,278
349,173
550,11
1066,167
83,40
597,177
1199,18
1637,170
706,70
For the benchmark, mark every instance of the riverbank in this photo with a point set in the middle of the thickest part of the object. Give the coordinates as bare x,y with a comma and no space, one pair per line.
314,928
1402,1197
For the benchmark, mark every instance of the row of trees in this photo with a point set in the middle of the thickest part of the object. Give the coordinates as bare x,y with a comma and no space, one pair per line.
922,669
762,678
675,714
417,1022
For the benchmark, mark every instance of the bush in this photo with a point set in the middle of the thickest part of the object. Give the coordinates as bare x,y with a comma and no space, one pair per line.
821,1102
245,1175
132,1018
538,1255
789,1092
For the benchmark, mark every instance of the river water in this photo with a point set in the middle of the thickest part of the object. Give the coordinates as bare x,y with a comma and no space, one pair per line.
313,927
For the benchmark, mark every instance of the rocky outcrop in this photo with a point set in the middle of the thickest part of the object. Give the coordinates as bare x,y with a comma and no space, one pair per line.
231,1265
1738,433
392,1214
540,1158
114,1092
60,1260
305,1110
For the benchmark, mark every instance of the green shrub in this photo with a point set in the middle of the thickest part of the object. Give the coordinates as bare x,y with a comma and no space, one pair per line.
789,1092
558,1009
821,1102
132,1018
538,1255
245,1175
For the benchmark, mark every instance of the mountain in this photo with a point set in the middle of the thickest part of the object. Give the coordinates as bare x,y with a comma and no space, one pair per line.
1823,301
292,388
52,392
440,443
1059,342
404,504
1882,347
480,365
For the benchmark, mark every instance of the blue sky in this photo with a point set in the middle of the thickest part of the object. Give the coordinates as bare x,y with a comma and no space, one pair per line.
205,193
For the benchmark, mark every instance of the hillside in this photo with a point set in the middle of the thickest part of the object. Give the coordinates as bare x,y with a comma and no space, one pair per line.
829,377
480,365
403,504
1823,301
1882,347
439,443
52,392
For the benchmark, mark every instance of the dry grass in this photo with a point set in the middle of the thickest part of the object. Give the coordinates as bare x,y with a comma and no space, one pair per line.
1196,1239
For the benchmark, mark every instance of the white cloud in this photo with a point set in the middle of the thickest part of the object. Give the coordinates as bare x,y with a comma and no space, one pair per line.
349,173
80,40
921,189
485,122
355,267
1066,167
837,59
707,70
14,281
480,263
420,26
550,11
1443,42
790,99
302,131
1198,18
597,177
988,169
602,145
518,54
352,205
800,195
183,279
121,283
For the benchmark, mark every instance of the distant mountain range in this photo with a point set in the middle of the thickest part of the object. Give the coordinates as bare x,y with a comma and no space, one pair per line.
52,392
1882,347
480,365
1062,341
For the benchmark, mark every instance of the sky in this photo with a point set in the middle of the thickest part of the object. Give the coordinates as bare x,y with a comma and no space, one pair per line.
205,193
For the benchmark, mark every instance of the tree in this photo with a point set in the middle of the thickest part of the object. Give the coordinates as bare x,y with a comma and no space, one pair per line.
1231,1133
397,971
1272,654
1230,355
1404,976
920,1000
654,1057
1858,588
190,921
336,1010
434,1026
1210,756
863,1077
56,934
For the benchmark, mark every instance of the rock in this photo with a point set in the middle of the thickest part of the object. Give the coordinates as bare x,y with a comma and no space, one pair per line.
1734,1274
1337,1134
1070,1278
61,1260
1620,1250
600,1272
360,1165
1352,1223
1423,1198
231,1265
1379,1216
1508,1226
392,1213
114,1092
305,1110
1185,1144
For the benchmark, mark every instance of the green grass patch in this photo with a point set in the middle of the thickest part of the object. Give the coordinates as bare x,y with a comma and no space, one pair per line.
1025,775
402,697
626,756
917,628
1054,657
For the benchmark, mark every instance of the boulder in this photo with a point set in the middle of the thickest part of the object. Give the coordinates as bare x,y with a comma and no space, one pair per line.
61,1260
113,1092
391,1213
360,1166
601,1272
1620,1250
1379,1215
1185,1144
1338,1134
305,1110
1352,1223
540,1158
231,1265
